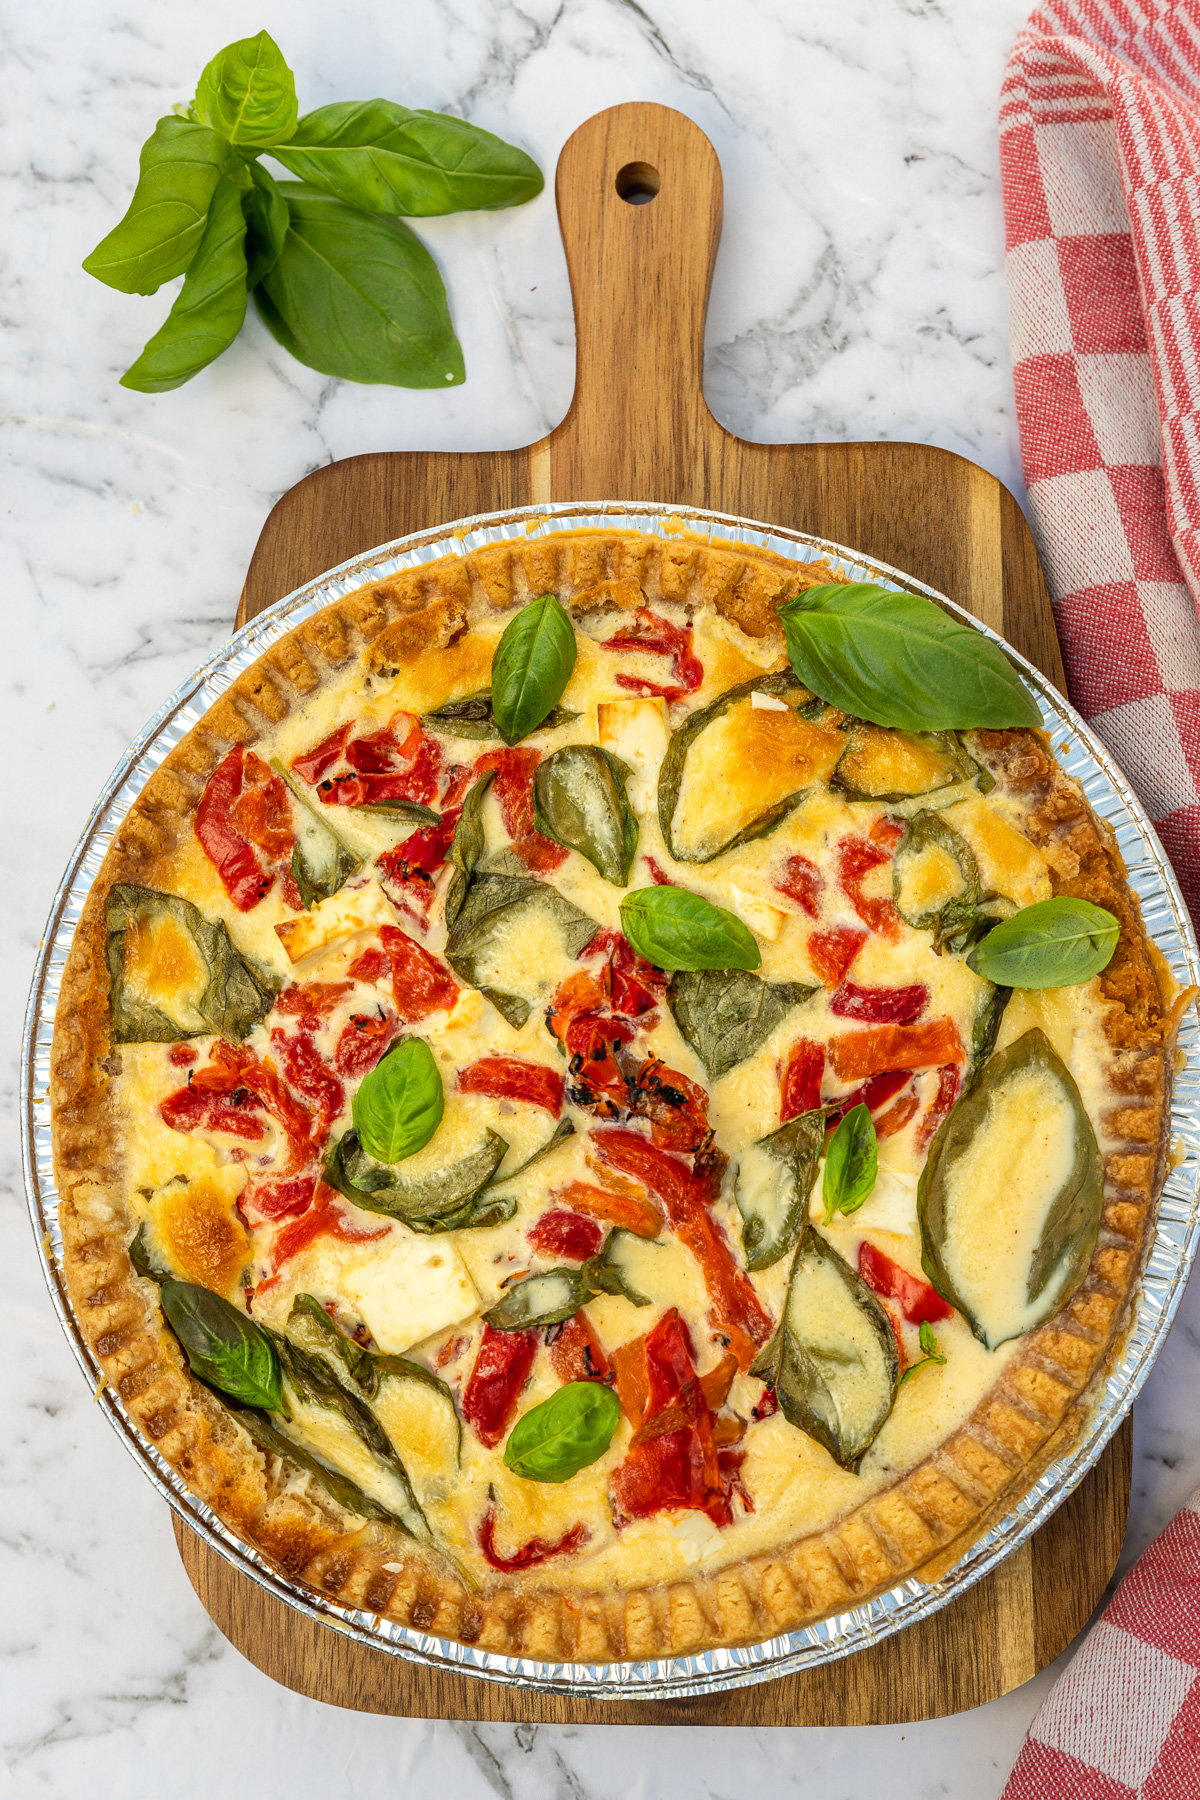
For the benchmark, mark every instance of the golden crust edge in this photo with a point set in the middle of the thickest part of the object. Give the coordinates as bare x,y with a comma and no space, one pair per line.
935,1510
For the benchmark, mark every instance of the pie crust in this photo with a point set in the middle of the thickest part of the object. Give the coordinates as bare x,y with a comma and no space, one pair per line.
923,1521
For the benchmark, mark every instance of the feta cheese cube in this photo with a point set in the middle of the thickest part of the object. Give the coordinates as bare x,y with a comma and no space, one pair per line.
411,1287
636,731
344,915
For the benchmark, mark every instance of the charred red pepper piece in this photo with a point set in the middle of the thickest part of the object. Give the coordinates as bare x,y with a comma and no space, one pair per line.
509,1078
310,1076
576,1353
654,633
565,1234
873,1094
896,1116
735,1311
314,763
856,858
399,763
223,838
578,1017
513,788
631,985
672,1462
311,1003
421,984
372,965
502,1365
411,866
801,1087
880,1005
234,1071
536,1551
676,1107
887,832
880,1047
363,1040
802,882
180,1055
919,1303
831,952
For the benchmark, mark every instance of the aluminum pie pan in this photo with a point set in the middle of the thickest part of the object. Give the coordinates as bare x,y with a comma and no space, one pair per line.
1169,1254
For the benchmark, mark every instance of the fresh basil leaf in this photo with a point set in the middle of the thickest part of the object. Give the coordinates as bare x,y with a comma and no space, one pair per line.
400,1102
224,1346
531,667
727,1014
775,1180
579,800
472,717
897,659
467,845
1052,944
448,1199
676,930
235,997
180,166
566,1433
851,1163
832,1362
547,1299
210,307
929,1345
684,744
358,296
387,158
266,223
248,94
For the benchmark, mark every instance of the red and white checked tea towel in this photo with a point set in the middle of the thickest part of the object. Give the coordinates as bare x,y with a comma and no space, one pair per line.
1123,1723
1100,161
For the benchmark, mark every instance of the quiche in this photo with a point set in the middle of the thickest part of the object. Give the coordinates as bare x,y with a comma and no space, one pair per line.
541,1152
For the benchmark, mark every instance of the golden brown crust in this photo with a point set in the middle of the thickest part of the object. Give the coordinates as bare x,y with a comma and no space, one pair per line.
931,1513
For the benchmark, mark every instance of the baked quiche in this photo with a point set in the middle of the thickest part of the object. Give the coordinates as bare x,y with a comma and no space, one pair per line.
609,1097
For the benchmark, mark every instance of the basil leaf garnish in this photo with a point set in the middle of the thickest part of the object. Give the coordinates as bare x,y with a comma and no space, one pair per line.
236,995
851,1163
676,930
266,223
531,667
579,800
209,309
1054,943
897,659
566,1433
387,158
248,93
726,1014
180,166
224,1346
400,1102
833,1361
929,1345
358,296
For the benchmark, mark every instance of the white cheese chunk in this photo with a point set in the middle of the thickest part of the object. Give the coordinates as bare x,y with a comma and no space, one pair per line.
765,920
767,702
411,1287
344,915
636,731
696,1536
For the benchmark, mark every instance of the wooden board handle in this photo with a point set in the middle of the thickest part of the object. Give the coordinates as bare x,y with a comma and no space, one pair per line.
639,204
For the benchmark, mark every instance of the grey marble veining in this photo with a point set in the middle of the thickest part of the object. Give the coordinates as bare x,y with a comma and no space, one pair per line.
858,294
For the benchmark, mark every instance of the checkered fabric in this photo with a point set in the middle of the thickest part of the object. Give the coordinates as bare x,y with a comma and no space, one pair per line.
1100,163
1123,1723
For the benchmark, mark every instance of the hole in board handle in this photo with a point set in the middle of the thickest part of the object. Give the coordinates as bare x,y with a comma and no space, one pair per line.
638,183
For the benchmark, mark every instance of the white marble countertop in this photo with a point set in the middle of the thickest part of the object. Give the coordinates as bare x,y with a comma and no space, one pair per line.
858,294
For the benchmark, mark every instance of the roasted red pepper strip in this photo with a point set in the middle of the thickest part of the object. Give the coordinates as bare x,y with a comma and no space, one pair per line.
654,633
180,1055
949,1078
802,882
262,811
509,1078
880,1047
879,1005
233,1070
199,1109
856,858
310,1076
887,832
314,763
629,1211
325,1217
897,1116
735,1310
576,1353
364,1038
409,869
537,1550
400,763
578,1017
872,1094
676,1107
372,965
421,984
631,985
672,1462
565,1234
831,952
919,1303
275,1198
502,1365
311,1003
223,841
800,1090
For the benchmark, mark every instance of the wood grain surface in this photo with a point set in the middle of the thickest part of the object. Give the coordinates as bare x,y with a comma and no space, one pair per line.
639,429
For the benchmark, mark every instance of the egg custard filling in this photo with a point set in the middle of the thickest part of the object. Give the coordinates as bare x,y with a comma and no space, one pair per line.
501,1279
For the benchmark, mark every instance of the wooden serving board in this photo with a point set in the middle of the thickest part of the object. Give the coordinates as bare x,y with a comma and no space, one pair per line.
639,202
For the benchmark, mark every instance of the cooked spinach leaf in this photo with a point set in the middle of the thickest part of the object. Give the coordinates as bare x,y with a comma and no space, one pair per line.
674,764
467,845
234,997
579,800
321,862
727,1014
450,1199
497,910
775,1180
472,717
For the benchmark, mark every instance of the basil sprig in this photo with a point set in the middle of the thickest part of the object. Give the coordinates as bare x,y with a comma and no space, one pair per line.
531,667
224,1346
929,1346
897,659
566,1433
1054,943
676,930
851,1163
346,290
400,1102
